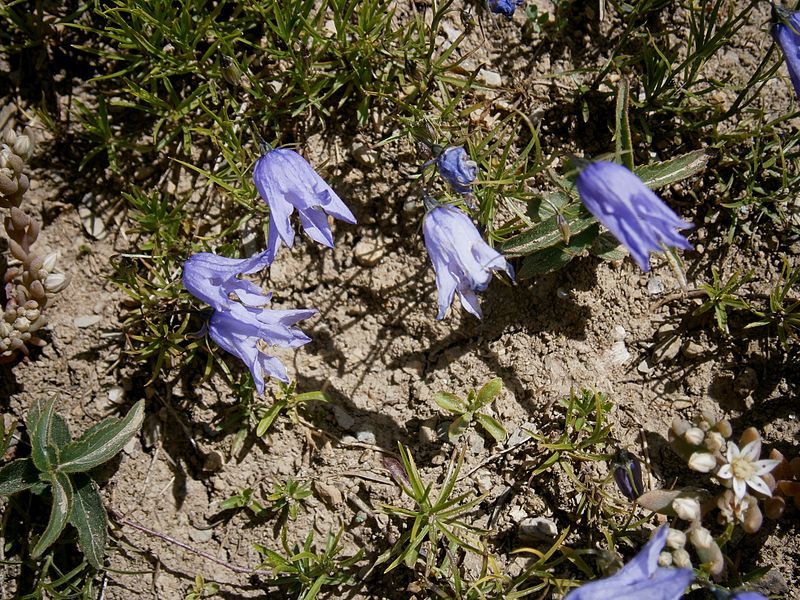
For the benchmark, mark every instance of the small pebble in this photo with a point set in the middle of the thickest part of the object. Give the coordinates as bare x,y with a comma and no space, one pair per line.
538,528
343,418
366,436
655,286
368,253
86,320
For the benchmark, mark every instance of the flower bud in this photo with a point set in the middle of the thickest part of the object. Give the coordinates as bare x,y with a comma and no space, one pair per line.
680,426
628,474
687,509
712,556
23,147
702,462
714,441
49,262
676,539
665,559
563,228
22,324
681,559
701,537
694,435
55,282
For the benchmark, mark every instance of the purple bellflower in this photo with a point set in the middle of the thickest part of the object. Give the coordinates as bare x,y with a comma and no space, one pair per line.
462,261
505,7
241,324
786,31
287,182
457,169
630,210
747,596
640,578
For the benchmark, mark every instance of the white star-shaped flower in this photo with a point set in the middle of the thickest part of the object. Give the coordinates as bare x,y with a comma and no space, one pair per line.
744,468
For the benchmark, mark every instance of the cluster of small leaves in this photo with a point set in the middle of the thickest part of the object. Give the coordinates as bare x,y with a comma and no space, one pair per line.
285,500
437,524
302,572
779,314
469,409
59,465
252,416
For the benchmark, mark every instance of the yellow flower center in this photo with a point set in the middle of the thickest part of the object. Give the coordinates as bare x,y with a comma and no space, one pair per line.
743,468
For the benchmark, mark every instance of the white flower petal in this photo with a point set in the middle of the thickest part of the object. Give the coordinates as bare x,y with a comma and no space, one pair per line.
752,450
740,488
759,485
725,472
765,466
733,452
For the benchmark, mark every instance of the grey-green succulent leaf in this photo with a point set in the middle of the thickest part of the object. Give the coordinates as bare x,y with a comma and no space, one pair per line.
18,475
102,442
63,494
88,516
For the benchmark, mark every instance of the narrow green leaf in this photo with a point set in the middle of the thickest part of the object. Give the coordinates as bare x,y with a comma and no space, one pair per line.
451,402
17,475
40,433
492,426
545,235
606,247
61,488
662,174
458,427
622,134
100,444
556,257
88,516
489,392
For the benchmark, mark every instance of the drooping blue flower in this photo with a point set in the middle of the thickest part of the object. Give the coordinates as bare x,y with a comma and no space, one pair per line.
641,578
786,31
462,261
213,278
505,7
287,182
457,169
241,324
630,210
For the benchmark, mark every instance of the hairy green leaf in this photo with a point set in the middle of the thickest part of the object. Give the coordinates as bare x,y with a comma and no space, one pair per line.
555,257
41,433
489,392
59,512
17,475
88,516
102,442
59,433
662,174
492,426
545,235
451,402
459,426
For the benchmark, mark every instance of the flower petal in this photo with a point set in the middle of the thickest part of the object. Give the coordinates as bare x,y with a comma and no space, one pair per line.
759,485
